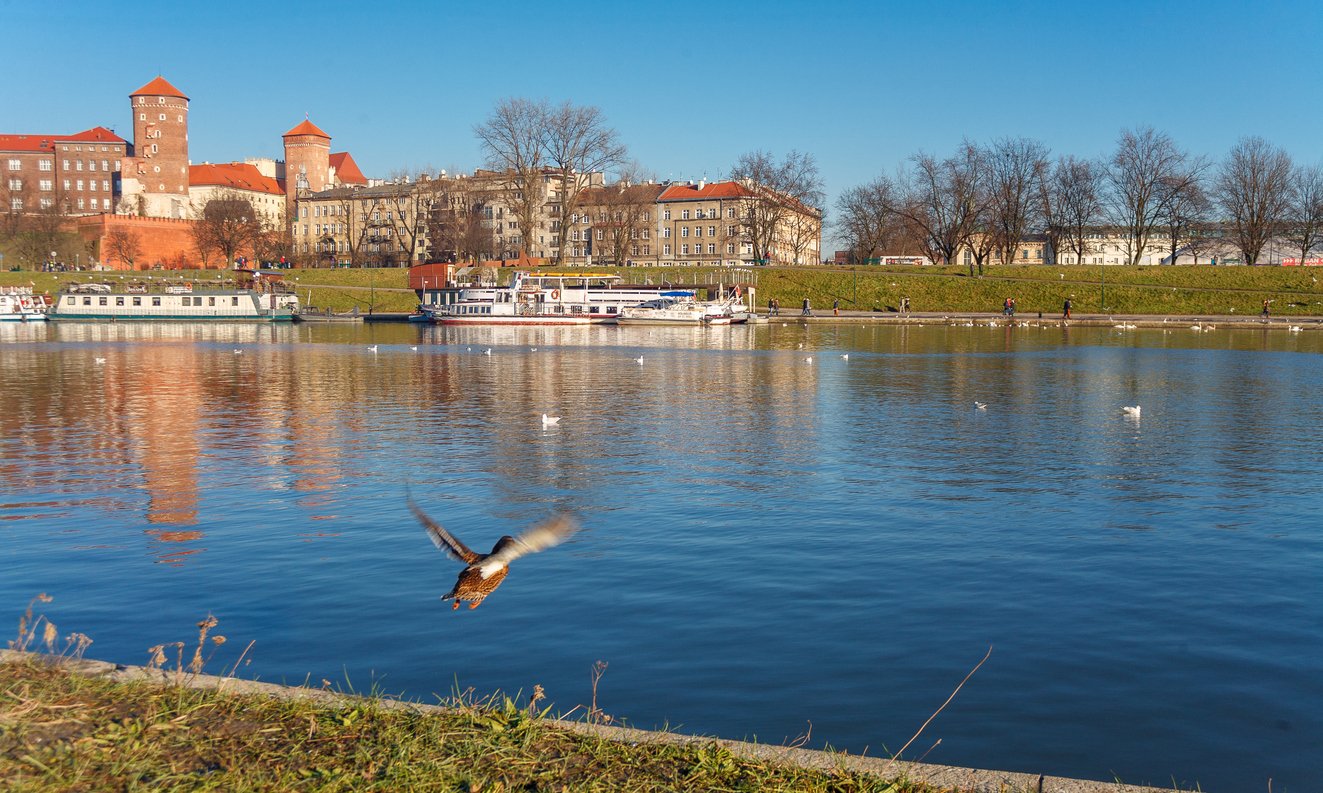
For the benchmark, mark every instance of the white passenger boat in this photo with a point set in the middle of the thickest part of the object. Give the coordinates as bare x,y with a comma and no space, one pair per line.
19,304
678,308
175,302
542,299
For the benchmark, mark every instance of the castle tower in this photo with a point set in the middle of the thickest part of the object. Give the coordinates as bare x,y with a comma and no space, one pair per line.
307,161
155,179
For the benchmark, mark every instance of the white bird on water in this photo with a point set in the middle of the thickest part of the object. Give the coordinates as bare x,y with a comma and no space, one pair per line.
549,421
238,351
100,360
1131,410
980,405
532,349
845,356
487,351
809,359
1295,328
639,360
373,348
414,348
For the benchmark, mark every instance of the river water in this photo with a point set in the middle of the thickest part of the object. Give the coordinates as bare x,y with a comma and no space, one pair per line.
770,547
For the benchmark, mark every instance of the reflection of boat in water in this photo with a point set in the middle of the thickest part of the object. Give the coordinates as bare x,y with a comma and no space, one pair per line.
18,304
542,299
251,298
679,308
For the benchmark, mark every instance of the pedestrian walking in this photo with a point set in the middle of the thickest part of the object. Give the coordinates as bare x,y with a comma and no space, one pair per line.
808,308
1065,309
836,307
905,305
1265,310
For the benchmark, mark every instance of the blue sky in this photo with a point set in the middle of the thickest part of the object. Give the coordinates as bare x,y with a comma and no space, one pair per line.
689,86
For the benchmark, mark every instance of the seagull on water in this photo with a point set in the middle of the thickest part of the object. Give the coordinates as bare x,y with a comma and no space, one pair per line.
1295,328
639,360
549,421
484,572
809,359
487,351
413,347
238,351
980,405
1131,410
373,348
99,360
845,356
532,349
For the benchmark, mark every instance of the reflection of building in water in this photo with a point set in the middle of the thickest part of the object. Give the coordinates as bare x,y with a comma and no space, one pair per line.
163,407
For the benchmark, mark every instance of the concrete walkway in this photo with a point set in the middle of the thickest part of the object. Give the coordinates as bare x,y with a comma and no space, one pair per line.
1032,319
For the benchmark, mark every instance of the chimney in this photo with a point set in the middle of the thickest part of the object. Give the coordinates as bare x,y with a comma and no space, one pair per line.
702,183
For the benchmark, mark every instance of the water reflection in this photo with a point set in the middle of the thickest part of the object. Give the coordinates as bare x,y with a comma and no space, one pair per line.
751,516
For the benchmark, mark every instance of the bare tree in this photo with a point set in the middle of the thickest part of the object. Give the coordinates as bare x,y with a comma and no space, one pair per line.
1146,169
1075,193
776,191
511,138
1184,215
577,143
1304,227
942,200
867,220
226,224
1253,188
460,222
619,217
124,245
1014,171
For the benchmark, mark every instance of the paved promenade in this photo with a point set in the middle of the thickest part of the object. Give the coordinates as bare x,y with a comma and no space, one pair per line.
1031,319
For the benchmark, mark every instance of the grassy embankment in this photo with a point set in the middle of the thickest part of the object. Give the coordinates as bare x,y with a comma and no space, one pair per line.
62,731
1186,290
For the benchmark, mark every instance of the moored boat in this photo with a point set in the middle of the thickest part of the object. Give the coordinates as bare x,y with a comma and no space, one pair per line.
678,308
175,302
542,299
19,304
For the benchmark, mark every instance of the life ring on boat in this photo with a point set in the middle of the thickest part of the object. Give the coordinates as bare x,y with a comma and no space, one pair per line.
555,294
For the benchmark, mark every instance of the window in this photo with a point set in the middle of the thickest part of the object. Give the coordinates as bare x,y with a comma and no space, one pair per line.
87,301
80,204
91,165
730,247
44,165
80,184
711,247
47,203
730,212
211,301
684,231
666,233
684,249
234,301
666,249
105,185
666,213
119,301
15,203
142,116
161,117
684,215
730,231
156,301
15,184
137,301
66,184
647,250
712,231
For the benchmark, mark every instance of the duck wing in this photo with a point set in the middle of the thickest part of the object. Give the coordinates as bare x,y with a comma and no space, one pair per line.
447,542
549,532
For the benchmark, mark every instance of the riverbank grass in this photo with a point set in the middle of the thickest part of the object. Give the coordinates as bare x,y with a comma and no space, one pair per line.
61,730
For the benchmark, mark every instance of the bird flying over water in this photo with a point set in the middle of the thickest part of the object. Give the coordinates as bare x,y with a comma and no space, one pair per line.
484,572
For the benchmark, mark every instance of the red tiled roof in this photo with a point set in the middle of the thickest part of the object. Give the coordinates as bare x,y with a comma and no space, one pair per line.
95,134
346,170
27,142
306,127
237,175
47,142
159,87
692,192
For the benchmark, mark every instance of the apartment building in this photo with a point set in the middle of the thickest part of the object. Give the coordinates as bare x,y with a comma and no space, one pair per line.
75,174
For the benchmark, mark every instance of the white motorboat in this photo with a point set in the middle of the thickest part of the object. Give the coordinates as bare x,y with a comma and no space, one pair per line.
678,308
542,299
19,304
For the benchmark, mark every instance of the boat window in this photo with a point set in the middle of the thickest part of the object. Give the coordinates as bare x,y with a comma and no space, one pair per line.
137,301
101,301
234,301
156,301
87,301
119,301
211,301
610,309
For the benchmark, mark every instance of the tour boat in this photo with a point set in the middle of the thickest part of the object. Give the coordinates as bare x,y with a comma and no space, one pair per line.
175,302
678,308
542,299
19,304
